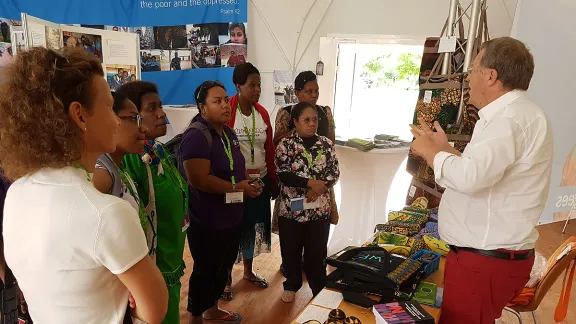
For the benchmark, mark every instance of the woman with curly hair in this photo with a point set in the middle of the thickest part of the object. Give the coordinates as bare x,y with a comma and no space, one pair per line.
165,196
88,251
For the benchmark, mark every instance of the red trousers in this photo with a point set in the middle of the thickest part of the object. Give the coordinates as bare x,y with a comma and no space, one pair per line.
477,287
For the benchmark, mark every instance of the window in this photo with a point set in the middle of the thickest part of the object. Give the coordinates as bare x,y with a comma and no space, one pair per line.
376,89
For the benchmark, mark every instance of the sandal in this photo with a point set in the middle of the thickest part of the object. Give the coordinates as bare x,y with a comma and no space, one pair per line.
227,295
258,281
230,317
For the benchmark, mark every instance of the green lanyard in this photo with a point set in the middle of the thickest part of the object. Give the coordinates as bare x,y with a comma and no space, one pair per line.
228,151
170,168
251,137
127,180
81,167
309,159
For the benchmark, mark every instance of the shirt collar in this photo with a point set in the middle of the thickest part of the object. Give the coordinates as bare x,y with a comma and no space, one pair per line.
495,106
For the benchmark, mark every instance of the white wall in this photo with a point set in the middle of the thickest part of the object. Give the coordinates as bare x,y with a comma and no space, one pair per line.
274,27
551,41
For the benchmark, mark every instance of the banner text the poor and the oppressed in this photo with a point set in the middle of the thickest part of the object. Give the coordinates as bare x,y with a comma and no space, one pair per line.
160,4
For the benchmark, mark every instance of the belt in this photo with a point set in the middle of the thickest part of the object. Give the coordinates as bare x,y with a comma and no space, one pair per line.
498,254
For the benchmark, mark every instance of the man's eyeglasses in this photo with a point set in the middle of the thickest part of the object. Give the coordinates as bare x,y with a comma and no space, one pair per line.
136,118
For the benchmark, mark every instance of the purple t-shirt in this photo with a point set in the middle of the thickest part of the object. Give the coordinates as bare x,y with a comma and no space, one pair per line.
206,208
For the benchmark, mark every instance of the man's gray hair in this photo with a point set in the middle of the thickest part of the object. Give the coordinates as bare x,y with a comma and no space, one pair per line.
511,59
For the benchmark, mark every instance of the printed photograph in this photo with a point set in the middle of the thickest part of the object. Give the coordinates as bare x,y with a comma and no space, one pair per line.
208,56
5,54
170,37
149,62
233,54
171,60
53,38
146,37
91,43
235,34
284,93
208,34
119,29
119,74
5,30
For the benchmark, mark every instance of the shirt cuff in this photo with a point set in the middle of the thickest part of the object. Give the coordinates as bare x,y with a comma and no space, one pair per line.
439,160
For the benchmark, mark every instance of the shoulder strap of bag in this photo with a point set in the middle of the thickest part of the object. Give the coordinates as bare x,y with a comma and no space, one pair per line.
204,129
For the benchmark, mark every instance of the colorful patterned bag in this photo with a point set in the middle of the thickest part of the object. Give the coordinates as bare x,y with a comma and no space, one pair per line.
444,98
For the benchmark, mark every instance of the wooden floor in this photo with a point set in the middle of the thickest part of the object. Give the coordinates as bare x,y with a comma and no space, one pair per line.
263,306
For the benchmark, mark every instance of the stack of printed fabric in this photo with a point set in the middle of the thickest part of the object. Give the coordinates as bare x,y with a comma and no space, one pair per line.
360,144
410,230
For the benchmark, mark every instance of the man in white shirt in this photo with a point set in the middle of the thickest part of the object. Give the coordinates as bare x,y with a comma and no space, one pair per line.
495,190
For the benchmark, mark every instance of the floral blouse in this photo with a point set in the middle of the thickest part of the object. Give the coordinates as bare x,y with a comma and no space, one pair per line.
290,158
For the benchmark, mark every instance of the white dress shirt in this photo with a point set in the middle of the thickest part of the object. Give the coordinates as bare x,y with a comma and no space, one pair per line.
497,189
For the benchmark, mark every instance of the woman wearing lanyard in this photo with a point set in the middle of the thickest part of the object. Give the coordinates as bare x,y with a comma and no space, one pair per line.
166,200
307,90
110,176
216,173
251,123
307,168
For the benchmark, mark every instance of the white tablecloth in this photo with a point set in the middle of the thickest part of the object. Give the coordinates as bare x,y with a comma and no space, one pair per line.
365,179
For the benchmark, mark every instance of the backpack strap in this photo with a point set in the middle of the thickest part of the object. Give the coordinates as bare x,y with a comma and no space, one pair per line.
204,129
562,307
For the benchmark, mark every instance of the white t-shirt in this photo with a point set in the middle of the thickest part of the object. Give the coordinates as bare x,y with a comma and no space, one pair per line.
240,124
66,242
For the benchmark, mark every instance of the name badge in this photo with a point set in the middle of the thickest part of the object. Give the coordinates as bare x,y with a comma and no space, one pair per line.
235,197
253,173
300,204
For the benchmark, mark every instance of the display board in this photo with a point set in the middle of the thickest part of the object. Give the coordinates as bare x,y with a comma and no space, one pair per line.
182,43
118,52
551,41
7,49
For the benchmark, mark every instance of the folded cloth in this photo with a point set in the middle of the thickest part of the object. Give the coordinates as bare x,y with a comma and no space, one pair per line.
433,216
403,229
436,245
430,229
399,244
524,298
408,217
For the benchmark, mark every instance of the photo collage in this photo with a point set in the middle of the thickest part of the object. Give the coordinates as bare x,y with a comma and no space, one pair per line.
170,48
182,47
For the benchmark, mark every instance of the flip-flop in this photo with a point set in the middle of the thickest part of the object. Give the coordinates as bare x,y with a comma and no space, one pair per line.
227,295
230,317
258,281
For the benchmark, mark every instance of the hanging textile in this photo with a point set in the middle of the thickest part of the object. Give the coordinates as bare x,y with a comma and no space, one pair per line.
444,98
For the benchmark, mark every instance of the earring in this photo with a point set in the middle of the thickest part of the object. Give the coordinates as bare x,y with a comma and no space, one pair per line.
85,128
